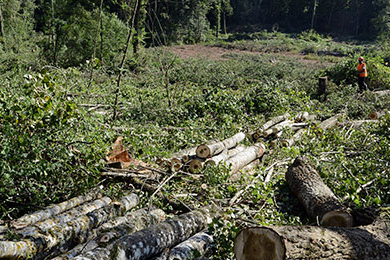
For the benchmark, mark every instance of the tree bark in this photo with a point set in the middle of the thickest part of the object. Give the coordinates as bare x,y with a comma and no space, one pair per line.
279,127
42,244
274,121
53,210
109,232
318,200
207,151
330,122
196,245
313,242
154,240
245,157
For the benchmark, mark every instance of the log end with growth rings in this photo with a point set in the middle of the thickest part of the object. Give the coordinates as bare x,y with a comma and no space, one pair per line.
259,243
337,218
203,151
196,166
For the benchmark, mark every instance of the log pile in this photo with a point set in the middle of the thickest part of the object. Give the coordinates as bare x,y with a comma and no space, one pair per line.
104,229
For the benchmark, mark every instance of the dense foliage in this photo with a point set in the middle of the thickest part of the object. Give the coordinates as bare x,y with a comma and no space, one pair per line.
64,72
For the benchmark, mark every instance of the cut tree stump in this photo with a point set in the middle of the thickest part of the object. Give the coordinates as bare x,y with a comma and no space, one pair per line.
313,242
154,240
319,201
207,151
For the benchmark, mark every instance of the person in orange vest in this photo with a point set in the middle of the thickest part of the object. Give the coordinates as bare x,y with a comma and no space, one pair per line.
362,74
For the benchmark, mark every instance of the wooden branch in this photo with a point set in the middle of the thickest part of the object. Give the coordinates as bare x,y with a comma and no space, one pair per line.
311,242
318,200
330,122
207,151
53,210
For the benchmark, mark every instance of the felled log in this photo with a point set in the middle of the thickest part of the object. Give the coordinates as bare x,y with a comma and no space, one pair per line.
207,151
279,127
382,93
196,165
196,245
67,216
246,170
224,156
53,210
40,245
376,114
330,122
109,232
275,121
358,123
245,157
317,198
313,242
154,240
298,126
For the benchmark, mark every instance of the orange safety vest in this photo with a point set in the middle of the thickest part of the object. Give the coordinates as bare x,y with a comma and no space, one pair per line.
360,67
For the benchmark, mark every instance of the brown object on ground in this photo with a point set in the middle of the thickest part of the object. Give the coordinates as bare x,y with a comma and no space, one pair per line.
319,201
118,157
207,151
313,242
245,157
196,165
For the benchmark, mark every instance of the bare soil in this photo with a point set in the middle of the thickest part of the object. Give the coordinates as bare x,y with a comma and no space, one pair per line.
218,53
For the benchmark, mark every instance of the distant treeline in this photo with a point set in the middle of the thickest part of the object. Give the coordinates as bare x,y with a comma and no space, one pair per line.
69,32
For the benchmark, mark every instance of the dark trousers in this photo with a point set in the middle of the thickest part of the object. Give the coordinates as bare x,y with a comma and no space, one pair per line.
362,84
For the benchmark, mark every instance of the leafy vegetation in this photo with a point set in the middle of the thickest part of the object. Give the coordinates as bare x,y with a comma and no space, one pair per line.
57,94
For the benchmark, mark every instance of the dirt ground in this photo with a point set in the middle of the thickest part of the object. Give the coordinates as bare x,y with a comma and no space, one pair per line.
217,53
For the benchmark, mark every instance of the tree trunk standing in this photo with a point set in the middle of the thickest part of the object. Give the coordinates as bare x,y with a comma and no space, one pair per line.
137,26
312,242
322,84
314,14
2,35
95,44
154,240
331,14
129,36
318,200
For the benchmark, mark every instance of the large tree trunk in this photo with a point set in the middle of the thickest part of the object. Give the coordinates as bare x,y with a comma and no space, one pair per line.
319,201
154,240
196,245
53,210
245,157
108,233
39,245
207,151
313,242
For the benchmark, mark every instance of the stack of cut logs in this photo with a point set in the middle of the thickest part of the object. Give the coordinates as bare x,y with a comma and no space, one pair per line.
97,227
227,152
235,156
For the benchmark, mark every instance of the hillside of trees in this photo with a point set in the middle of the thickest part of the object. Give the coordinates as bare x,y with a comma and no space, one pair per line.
151,81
